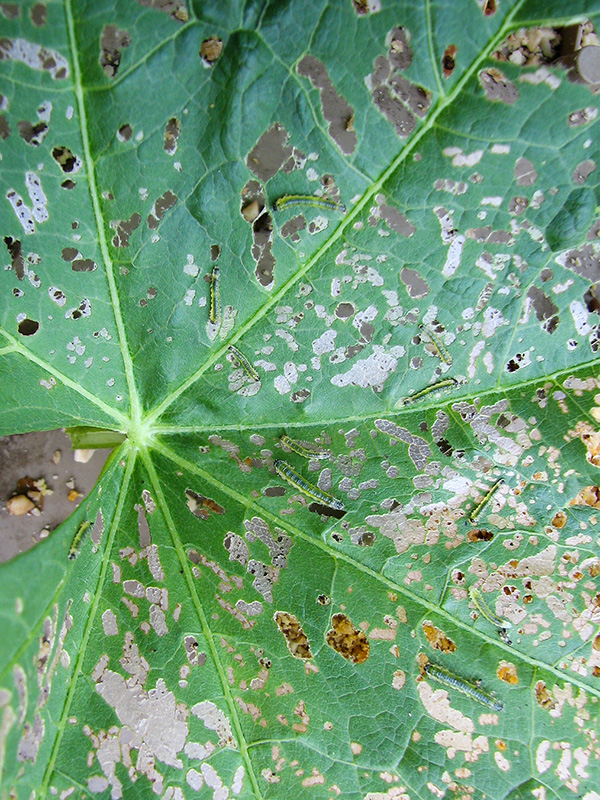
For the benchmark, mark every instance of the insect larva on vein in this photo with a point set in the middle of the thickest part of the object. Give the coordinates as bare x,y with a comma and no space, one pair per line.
290,200
437,343
74,548
214,310
472,690
300,450
486,499
486,611
248,368
412,398
283,469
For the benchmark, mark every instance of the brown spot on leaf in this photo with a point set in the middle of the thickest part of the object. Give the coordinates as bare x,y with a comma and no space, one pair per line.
78,262
416,286
201,506
10,10
161,205
174,8
32,134
112,42
65,159
15,252
336,110
125,228
480,535
393,110
210,50
296,640
592,443
588,496
489,7
530,47
544,697
272,153
347,640
125,132
559,520
4,127
172,130
344,311
517,205
27,327
68,184
583,170
393,217
400,54
449,60
262,233
497,86
591,298
437,638
545,310
525,172
39,14
293,227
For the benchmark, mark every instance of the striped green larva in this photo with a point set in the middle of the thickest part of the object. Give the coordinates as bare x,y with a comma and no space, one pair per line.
472,690
283,469
427,390
484,501
248,368
486,611
74,548
214,311
300,450
438,344
290,200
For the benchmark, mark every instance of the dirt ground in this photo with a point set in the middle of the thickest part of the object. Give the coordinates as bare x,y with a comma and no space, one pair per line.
46,455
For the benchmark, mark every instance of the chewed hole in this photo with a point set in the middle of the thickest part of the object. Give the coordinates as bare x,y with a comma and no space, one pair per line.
27,327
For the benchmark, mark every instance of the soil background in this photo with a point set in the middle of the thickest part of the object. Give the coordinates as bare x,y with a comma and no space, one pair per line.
45,455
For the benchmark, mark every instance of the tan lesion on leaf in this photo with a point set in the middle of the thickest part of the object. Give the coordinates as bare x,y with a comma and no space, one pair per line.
437,638
202,506
296,640
347,640
210,50
507,672
588,496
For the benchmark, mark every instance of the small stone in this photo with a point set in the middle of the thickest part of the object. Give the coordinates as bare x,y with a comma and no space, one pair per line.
19,505
83,456
250,212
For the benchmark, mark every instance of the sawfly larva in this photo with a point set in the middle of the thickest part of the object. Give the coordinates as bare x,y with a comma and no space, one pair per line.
438,344
486,611
412,398
248,368
300,450
290,475
74,548
486,499
214,311
290,200
472,690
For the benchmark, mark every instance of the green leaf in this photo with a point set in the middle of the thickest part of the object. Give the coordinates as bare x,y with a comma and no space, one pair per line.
233,614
